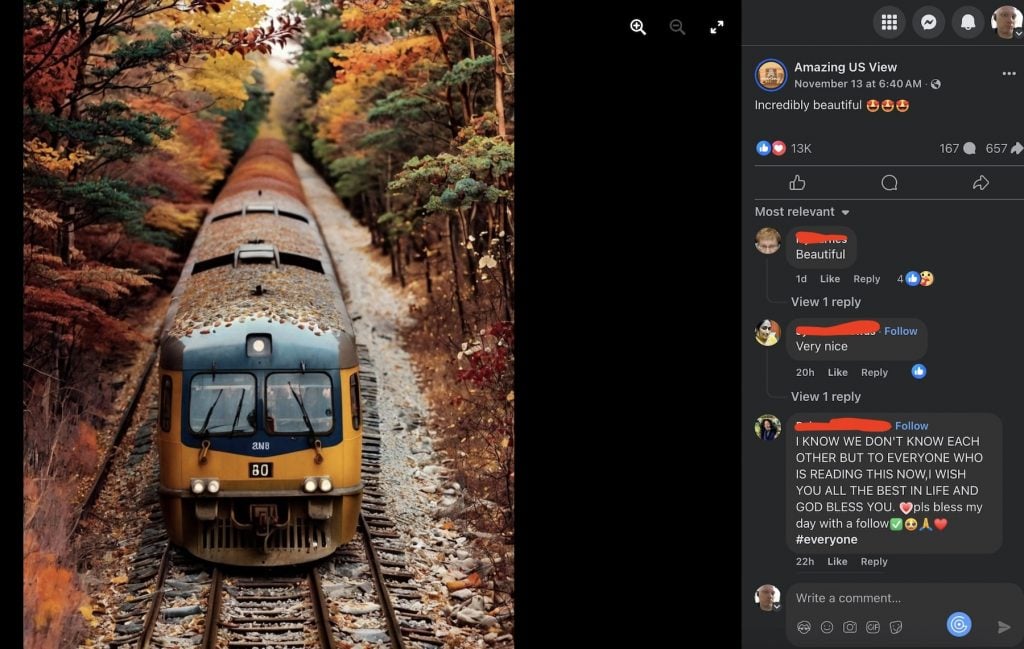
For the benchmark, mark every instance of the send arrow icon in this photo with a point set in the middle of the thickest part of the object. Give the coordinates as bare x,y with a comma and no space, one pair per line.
1003,627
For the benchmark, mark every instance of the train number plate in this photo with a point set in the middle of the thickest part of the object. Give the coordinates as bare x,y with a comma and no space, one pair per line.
261,469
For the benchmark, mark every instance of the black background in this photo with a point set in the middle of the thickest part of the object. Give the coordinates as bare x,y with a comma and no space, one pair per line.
628,484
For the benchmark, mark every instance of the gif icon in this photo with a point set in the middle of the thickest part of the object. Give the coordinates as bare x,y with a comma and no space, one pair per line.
873,626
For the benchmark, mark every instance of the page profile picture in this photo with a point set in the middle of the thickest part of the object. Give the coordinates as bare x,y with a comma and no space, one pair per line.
771,75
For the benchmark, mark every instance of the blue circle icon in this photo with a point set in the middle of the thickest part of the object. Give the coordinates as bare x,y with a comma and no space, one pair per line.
918,371
764,147
958,624
913,278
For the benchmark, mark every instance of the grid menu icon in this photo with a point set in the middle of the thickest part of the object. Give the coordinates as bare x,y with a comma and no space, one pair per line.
890,22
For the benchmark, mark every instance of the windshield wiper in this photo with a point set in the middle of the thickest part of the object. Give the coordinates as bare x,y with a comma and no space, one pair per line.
313,441
209,413
302,407
238,412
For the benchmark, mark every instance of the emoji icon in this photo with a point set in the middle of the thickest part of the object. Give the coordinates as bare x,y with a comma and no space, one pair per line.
927,278
912,278
906,507
896,524
910,524
925,526
919,371
941,523
888,105
763,148
902,105
779,147
872,105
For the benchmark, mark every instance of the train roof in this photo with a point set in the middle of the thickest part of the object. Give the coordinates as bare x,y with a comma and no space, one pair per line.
258,264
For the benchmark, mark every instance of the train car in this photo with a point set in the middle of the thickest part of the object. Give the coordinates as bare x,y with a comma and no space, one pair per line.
259,425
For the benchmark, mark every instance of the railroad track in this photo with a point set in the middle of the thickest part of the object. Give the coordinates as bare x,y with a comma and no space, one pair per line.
122,428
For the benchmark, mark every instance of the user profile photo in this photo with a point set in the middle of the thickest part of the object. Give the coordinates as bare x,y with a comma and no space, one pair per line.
1007,21
767,241
767,333
768,598
768,428
771,75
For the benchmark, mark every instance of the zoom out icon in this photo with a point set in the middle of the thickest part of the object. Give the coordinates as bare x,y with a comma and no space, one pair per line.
958,624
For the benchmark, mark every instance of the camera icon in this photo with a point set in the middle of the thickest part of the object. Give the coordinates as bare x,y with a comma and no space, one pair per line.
849,626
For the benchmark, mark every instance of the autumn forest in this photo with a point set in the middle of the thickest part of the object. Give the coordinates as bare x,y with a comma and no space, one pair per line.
134,114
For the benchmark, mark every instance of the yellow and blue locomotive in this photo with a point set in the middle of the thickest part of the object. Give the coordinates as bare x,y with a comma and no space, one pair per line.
259,427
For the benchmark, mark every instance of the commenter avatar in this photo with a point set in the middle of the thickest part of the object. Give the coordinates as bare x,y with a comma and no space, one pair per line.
768,598
768,241
767,428
767,332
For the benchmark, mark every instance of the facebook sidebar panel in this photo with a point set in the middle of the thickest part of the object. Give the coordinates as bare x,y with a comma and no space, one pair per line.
882,324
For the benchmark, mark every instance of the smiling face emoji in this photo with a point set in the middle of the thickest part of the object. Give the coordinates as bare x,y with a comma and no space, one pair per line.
927,278
910,524
888,105
872,105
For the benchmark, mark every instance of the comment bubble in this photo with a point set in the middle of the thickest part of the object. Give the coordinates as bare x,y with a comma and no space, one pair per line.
871,339
906,615
854,483
824,246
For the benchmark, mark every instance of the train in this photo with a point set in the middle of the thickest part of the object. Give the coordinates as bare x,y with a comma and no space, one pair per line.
259,426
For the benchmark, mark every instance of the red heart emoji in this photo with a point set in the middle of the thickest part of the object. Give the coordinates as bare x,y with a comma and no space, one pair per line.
940,523
906,507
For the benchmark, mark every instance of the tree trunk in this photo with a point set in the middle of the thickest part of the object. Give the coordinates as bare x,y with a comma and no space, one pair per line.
450,105
426,274
467,225
398,260
499,72
453,237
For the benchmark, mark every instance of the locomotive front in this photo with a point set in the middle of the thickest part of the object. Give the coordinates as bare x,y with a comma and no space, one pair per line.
259,427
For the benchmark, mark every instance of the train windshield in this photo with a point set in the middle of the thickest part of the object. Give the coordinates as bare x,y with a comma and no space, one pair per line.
300,403
222,404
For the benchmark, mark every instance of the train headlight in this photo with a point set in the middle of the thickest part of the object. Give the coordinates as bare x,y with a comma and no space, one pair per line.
198,487
309,485
325,484
213,486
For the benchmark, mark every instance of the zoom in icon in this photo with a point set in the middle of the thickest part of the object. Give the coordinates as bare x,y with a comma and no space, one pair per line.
958,624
